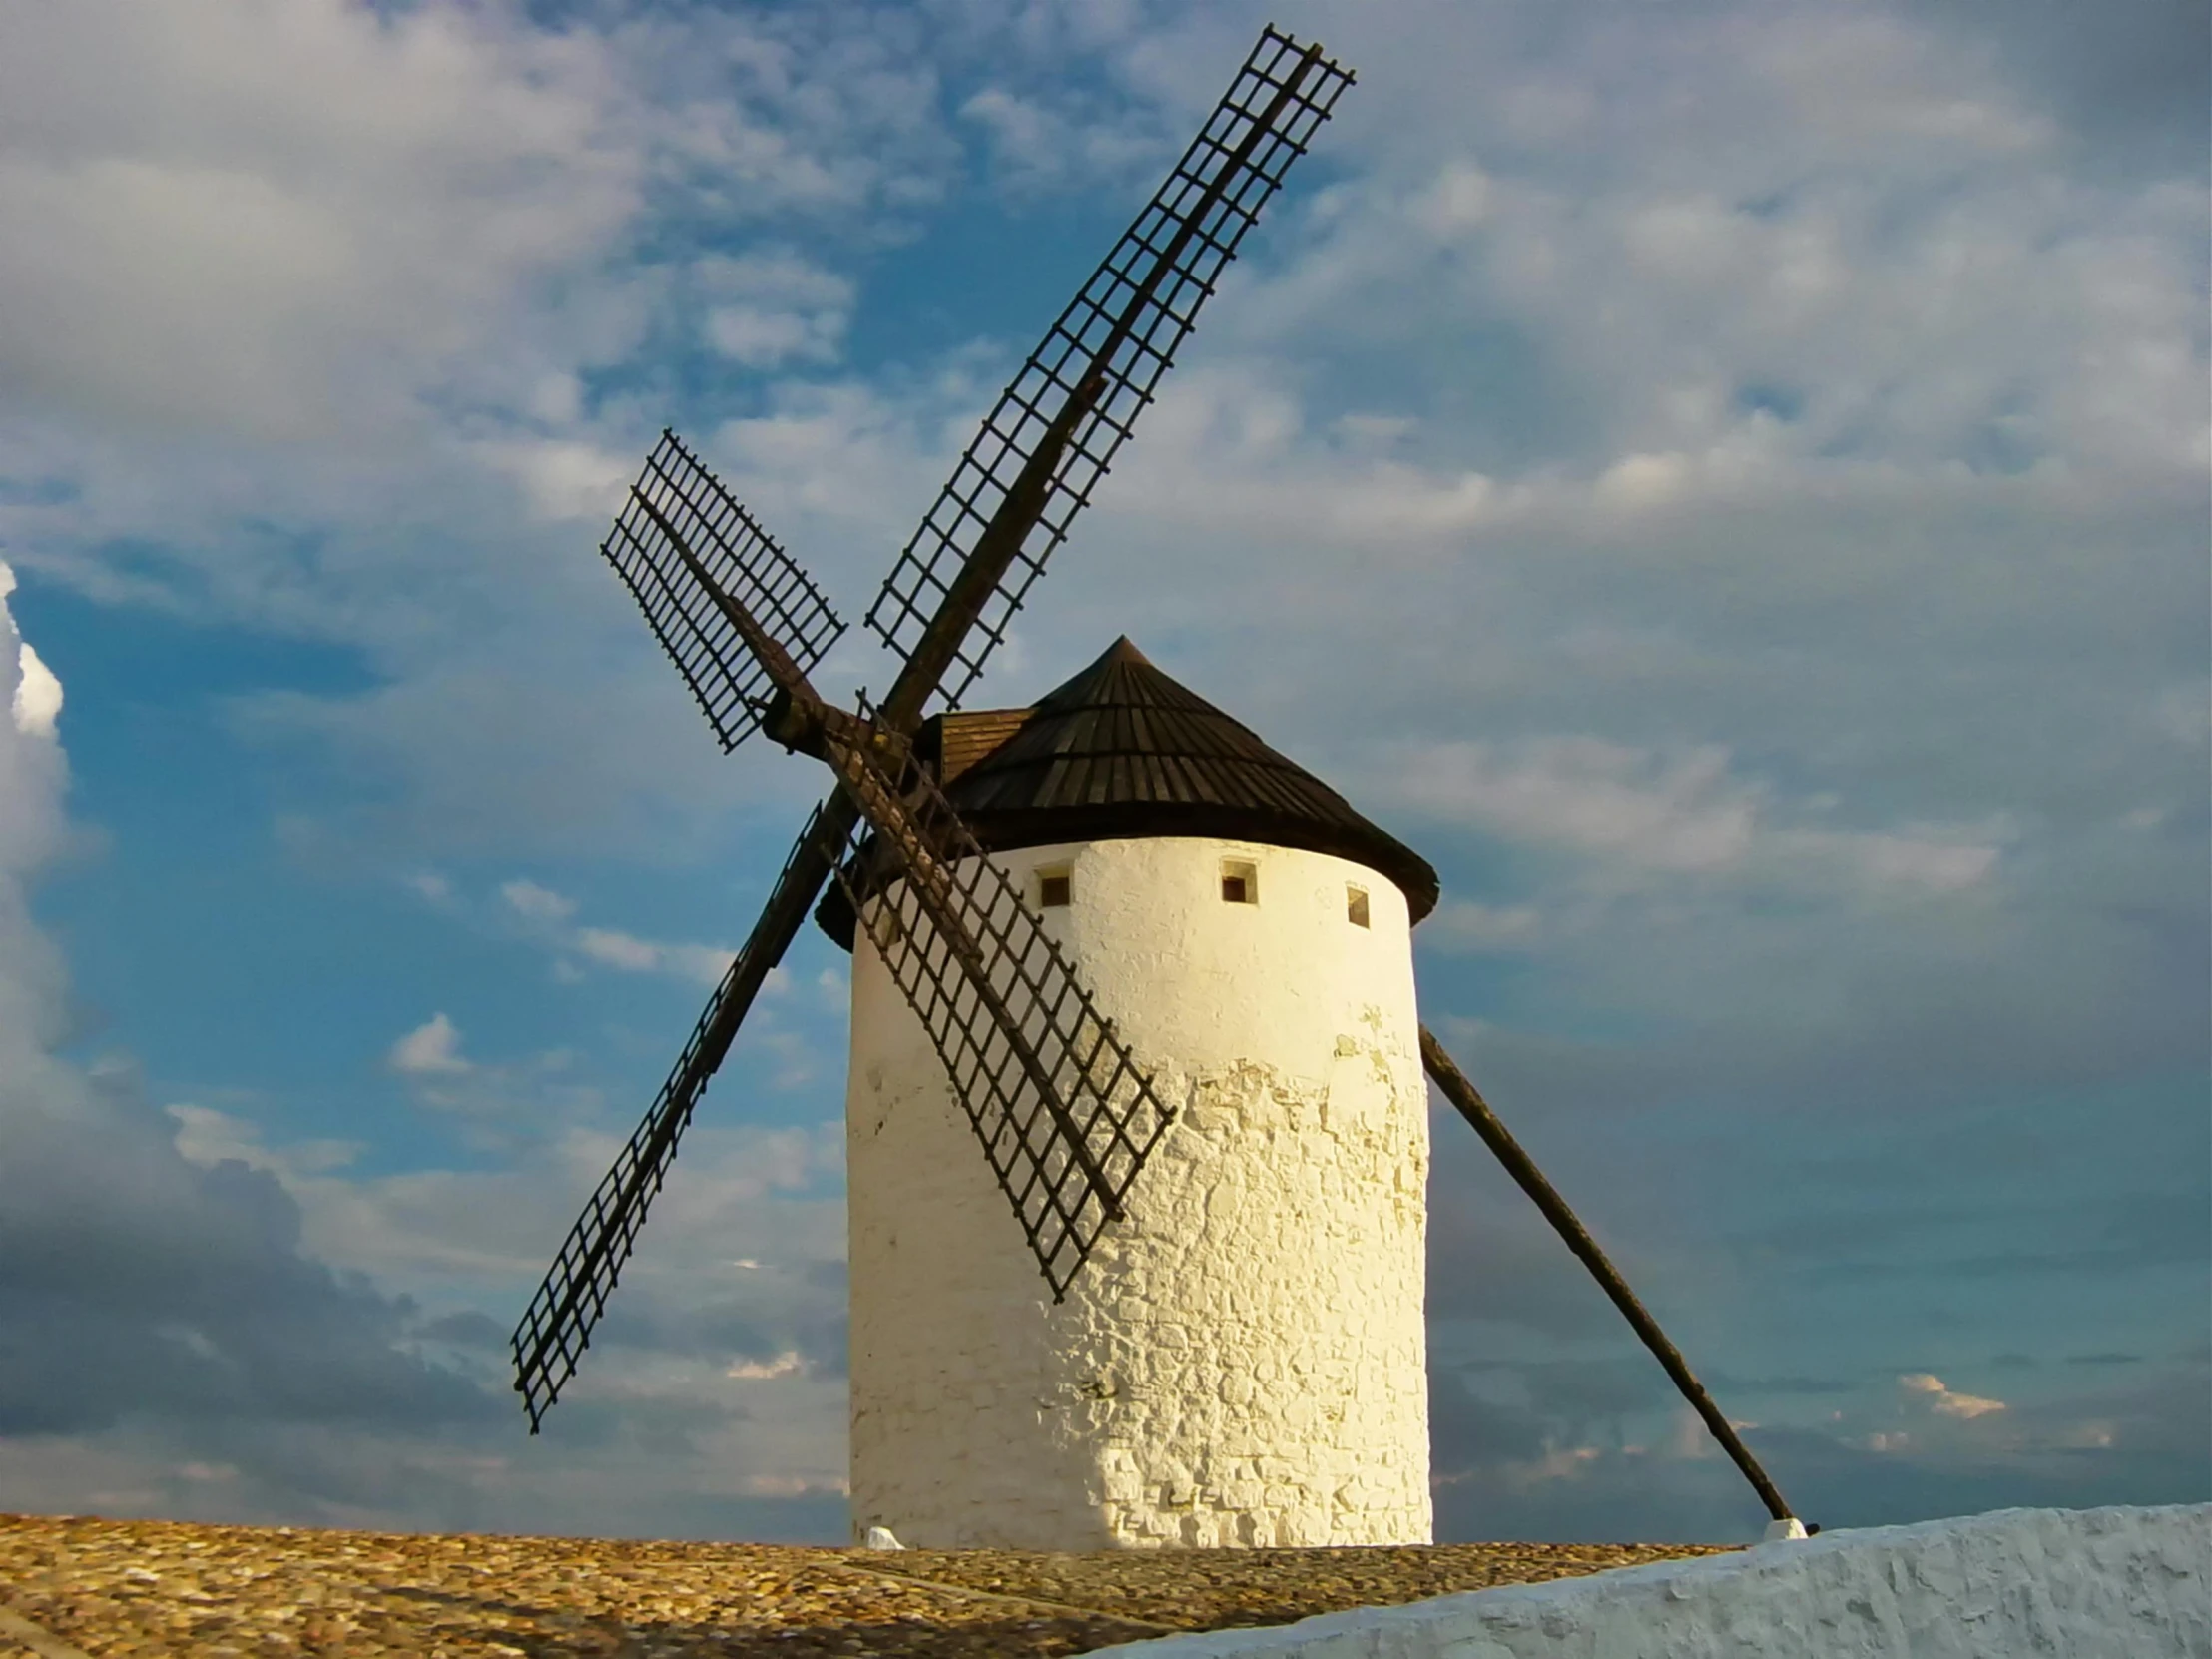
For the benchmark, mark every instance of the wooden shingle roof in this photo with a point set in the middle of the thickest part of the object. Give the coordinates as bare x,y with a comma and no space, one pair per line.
1122,751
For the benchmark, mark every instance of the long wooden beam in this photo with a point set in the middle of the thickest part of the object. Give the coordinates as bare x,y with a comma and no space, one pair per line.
1456,1088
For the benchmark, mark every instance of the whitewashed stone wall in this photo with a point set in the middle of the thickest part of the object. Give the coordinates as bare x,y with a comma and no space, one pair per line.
1244,1359
2116,1583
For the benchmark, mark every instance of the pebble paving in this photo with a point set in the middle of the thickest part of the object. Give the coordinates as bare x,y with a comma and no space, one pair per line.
130,1589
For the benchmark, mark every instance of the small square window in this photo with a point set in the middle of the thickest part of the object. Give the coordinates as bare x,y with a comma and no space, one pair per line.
1240,883
1052,889
1355,906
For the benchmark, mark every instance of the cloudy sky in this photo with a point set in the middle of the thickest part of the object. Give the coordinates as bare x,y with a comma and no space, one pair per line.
1728,481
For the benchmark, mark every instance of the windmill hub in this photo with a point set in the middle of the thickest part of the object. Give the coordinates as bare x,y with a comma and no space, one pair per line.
1243,1360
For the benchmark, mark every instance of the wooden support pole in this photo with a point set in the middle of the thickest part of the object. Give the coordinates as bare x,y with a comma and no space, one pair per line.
1461,1093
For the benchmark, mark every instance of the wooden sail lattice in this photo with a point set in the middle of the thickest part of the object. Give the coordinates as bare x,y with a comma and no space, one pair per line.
1063,1190
1054,432
743,559
1067,1127
556,1327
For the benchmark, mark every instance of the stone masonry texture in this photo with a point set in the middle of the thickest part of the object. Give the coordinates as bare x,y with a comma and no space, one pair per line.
1244,1361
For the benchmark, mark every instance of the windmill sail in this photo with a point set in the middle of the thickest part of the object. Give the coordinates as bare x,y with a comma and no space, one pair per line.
557,1327
1065,1115
1055,430
991,971
730,551
734,613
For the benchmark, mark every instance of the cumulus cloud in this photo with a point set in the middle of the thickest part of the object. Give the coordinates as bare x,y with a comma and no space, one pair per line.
1926,1390
33,778
432,1050
36,702
159,1316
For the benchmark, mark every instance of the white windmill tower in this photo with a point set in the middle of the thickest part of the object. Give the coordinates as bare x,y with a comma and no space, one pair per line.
1243,1360
1218,1161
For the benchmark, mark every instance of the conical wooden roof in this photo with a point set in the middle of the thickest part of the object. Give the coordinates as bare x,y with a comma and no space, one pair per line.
1122,751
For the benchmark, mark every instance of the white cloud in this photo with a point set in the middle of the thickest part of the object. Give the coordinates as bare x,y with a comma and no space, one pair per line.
241,209
617,950
36,703
1456,203
528,898
206,1136
144,1393
1681,811
1829,203
1928,1391
1664,811
33,777
1062,140
549,913
432,1050
479,1239
547,918
698,963
761,309
1868,81
786,1363
563,479
35,700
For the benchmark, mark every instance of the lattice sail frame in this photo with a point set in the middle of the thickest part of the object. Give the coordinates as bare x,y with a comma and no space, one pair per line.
743,559
1117,1111
1046,445
1108,350
556,1327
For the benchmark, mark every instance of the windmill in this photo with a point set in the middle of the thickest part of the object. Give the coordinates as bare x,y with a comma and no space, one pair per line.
1197,1213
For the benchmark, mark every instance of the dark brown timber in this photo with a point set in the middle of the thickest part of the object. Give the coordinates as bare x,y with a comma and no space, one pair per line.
847,742
1468,1099
557,1327
1000,542
902,839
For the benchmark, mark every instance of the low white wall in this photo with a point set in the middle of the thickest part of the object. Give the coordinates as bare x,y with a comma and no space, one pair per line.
2075,1582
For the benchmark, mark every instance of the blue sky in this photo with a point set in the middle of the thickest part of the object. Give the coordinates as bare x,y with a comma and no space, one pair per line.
1726,481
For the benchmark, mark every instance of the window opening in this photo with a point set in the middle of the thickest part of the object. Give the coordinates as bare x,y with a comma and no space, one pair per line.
1240,883
1054,888
1355,906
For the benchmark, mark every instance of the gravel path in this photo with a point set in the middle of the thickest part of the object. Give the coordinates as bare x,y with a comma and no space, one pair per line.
137,1589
